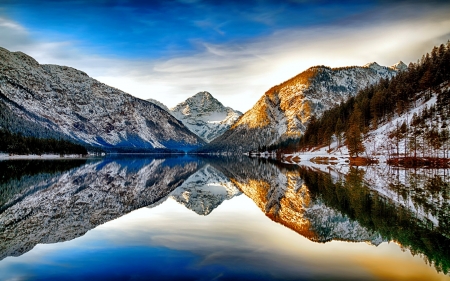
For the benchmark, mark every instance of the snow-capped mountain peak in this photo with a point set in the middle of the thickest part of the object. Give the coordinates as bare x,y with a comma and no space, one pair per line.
205,116
200,104
375,66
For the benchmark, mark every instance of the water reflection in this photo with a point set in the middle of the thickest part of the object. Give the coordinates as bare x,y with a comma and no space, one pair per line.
66,205
205,190
282,194
20,174
372,205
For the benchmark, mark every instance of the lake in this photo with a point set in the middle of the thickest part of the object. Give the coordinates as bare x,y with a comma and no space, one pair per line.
204,218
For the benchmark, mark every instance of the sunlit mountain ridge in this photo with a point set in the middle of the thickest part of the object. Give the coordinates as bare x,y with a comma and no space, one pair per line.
284,110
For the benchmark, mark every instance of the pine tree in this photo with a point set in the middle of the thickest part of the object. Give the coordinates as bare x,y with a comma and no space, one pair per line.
338,131
353,134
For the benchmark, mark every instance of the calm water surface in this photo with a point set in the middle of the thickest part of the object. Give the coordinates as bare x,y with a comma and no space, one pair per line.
186,218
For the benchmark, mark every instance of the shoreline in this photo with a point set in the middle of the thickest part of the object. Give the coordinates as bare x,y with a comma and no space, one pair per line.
6,156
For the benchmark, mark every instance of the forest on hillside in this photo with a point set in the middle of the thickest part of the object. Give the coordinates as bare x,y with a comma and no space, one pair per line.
20,144
21,136
426,134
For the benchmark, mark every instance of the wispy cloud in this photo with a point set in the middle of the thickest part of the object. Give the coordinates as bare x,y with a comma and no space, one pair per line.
239,71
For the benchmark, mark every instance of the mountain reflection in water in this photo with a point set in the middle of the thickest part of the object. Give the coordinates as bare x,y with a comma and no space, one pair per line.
55,201
411,207
66,206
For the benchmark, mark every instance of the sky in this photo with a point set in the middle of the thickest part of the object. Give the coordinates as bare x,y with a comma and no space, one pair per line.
236,50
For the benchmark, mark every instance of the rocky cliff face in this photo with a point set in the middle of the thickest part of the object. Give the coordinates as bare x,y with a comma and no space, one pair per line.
68,205
285,109
67,101
205,116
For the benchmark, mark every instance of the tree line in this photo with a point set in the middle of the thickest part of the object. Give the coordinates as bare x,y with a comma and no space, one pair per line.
20,144
379,103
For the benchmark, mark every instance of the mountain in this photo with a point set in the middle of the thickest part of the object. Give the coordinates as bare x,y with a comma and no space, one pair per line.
284,110
63,101
402,119
204,115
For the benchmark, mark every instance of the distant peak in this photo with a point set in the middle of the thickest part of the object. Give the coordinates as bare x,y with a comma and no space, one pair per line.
372,65
200,102
400,66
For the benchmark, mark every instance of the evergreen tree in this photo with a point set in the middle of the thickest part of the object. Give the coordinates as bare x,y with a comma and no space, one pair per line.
353,134
338,131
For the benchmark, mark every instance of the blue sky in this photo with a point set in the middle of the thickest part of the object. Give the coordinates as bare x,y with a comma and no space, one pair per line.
170,50
135,29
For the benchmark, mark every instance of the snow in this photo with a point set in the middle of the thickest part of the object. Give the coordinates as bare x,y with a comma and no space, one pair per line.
4,156
375,141
403,187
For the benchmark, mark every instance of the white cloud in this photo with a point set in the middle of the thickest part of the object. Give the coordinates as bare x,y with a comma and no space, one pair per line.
239,73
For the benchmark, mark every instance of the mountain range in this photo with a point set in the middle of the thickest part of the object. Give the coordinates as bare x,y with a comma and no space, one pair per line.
50,101
60,101
285,110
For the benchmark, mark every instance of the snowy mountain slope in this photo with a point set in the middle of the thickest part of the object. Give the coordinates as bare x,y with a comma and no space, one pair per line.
69,102
205,190
379,141
285,109
68,205
205,116
425,131
18,121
